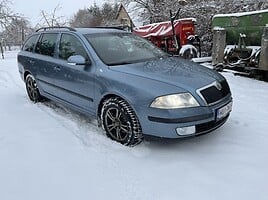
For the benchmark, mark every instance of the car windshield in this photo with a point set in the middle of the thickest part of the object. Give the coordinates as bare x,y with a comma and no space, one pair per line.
123,48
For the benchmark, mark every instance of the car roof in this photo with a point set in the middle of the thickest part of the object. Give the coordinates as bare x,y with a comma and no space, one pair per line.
81,30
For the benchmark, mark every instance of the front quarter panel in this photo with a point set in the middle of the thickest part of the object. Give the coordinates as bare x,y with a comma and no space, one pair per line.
139,92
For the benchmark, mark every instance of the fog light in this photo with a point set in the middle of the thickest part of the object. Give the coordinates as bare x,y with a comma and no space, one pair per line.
189,130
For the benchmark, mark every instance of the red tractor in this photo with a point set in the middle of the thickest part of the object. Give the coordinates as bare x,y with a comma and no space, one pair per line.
175,37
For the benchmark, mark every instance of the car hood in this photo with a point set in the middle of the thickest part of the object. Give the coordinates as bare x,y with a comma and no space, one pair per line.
174,71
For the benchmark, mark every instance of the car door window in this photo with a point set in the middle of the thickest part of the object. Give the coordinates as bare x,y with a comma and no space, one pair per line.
30,43
46,44
70,46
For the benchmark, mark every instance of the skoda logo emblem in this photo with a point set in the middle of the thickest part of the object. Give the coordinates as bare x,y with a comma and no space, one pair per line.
218,85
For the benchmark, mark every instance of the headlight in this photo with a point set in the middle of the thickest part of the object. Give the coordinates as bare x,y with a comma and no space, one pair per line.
173,101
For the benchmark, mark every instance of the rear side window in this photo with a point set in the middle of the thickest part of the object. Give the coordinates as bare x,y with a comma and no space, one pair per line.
46,44
30,43
69,46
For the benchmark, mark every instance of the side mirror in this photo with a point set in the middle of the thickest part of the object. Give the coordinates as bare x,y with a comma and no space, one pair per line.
77,60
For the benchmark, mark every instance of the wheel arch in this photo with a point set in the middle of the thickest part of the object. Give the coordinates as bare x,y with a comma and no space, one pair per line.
26,73
106,97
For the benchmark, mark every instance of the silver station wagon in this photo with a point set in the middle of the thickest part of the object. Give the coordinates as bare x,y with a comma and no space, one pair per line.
130,86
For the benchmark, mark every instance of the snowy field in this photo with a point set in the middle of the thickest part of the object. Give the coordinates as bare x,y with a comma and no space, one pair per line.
48,152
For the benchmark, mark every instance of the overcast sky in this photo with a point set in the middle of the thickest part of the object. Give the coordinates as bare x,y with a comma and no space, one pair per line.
31,9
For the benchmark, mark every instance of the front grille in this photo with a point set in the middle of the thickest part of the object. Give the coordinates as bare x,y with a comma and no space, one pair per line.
212,94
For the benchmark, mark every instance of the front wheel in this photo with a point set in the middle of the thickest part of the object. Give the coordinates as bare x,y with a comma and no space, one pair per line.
120,122
32,89
188,52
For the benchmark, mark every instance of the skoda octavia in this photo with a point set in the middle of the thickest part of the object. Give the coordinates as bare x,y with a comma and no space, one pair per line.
130,86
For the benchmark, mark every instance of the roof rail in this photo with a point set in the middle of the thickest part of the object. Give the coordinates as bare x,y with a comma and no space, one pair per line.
55,27
110,27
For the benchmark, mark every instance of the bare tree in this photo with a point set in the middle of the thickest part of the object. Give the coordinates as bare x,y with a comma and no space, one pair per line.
52,19
154,10
12,25
6,14
16,32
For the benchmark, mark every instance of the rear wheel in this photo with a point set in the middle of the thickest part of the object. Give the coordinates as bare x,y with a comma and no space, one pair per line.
120,122
32,89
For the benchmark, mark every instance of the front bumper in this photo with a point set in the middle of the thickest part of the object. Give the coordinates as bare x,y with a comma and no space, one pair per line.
180,123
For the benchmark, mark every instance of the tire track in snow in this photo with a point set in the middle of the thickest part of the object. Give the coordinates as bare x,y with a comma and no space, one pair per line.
78,125
112,154
3,79
7,80
88,132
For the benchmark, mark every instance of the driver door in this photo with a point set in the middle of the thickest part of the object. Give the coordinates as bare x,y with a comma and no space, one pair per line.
74,83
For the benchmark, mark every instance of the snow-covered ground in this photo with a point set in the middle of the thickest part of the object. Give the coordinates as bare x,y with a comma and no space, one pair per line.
48,152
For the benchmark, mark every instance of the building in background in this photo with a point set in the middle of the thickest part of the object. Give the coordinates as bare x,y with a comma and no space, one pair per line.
123,19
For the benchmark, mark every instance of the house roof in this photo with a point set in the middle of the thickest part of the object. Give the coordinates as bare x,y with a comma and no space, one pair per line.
122,8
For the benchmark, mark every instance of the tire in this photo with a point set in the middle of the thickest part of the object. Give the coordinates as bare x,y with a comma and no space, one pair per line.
120,122
32,89
231,59
188,52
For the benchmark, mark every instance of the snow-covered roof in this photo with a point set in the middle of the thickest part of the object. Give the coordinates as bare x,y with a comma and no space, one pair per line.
177,20
241,13
160,28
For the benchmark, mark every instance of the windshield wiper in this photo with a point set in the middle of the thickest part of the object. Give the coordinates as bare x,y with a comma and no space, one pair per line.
120,63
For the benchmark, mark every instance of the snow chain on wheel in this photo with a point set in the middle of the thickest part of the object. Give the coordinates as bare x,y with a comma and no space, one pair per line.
120,122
